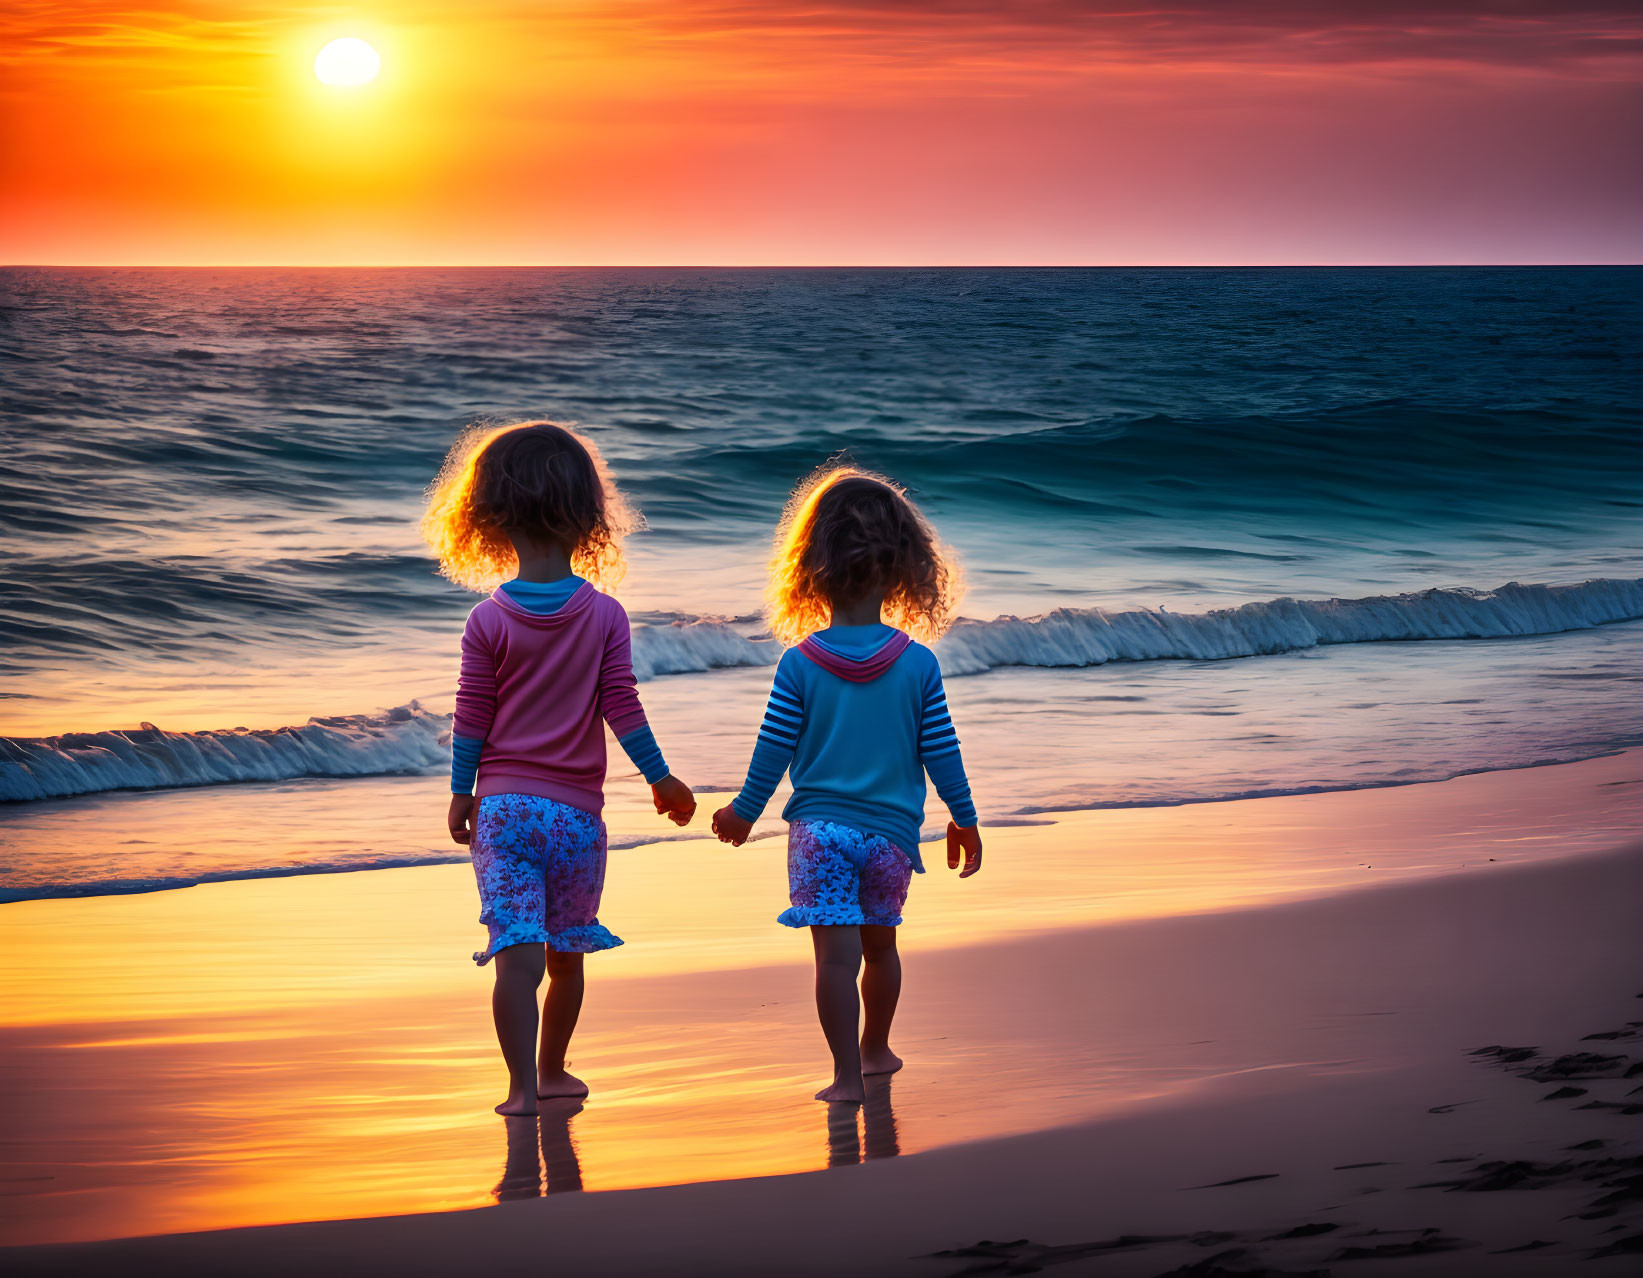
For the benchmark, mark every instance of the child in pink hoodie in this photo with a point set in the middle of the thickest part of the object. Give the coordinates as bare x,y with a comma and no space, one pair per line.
546,663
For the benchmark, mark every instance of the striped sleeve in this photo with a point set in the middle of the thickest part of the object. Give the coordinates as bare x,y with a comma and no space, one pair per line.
939,753
773,751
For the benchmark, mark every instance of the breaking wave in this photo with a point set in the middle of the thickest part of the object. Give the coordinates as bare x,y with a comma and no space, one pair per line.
406,739
171,882
1092,637
412,739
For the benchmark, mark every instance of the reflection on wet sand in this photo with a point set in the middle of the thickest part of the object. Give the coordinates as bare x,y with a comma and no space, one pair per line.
843,1144
538,1141
878,1126
522,1174
564,1168
878,1117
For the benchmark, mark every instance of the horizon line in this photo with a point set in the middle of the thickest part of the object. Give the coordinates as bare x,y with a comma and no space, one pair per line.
799,266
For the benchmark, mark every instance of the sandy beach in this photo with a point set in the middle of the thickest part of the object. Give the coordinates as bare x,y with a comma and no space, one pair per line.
247,1054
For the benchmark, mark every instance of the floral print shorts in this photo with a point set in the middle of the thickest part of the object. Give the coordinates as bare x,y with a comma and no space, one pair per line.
837,875
541,869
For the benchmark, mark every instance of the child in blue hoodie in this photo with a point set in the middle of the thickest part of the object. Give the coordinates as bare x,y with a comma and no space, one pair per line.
858,715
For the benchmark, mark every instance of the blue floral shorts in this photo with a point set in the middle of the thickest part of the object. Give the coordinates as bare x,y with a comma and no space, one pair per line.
837,875
541,870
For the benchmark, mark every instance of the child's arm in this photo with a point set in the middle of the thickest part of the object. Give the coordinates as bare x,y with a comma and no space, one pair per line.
772,753
475,709
939,753
620,707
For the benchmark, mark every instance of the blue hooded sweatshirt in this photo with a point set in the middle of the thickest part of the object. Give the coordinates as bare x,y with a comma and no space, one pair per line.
858,715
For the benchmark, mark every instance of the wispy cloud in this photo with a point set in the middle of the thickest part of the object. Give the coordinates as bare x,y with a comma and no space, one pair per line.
43,26
1506,33
84,48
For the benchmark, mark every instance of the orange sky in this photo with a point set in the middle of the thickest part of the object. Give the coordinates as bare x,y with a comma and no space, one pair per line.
728,131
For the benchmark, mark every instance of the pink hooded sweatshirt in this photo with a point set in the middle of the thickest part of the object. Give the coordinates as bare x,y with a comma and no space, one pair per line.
534,688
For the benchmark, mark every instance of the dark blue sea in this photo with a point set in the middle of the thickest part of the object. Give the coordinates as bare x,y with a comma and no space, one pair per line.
1226,532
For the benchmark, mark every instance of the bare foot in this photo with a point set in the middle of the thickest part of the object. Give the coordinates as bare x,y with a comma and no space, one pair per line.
841,1090
558,1086
518,1105
882,1062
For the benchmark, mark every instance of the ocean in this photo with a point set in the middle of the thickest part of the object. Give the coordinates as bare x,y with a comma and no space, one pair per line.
1227,532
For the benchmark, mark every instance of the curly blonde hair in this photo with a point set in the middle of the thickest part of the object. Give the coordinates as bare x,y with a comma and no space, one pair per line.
848,533
538,480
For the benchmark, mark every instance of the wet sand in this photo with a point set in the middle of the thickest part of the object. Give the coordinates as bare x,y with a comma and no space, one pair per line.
306,1048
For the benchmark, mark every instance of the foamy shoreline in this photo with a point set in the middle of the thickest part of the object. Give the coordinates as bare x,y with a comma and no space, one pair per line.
411,738
122,843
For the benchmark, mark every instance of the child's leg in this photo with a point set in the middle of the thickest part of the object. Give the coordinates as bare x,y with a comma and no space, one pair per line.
838,960
574,879
560,1010
513,1006
880,991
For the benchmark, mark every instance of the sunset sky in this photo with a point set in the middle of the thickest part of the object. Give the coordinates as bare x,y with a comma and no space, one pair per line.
832,131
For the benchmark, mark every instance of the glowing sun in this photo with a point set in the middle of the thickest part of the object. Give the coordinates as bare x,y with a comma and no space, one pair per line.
347,61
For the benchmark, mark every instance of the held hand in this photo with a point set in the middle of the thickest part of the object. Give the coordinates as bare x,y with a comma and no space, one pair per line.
674,800
731,828
967,838
460,819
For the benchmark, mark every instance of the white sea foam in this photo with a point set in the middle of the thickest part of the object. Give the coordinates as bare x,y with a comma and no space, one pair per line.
412,739
171,882
1095,636
693,647
406,739
1092,637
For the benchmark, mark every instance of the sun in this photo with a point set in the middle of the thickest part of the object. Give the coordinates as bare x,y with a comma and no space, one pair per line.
347,61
